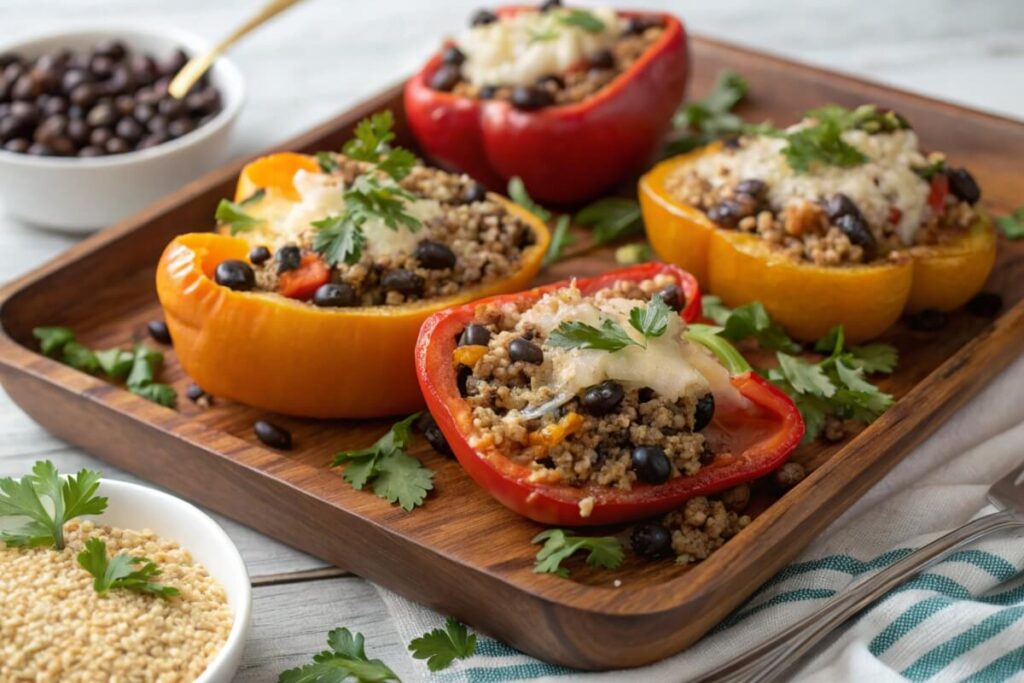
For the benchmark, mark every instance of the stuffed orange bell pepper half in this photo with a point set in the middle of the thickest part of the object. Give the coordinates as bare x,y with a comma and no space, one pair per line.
570,100
839,219
308,299
596,401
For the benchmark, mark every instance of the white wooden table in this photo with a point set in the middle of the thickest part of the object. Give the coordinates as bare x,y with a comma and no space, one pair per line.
327,54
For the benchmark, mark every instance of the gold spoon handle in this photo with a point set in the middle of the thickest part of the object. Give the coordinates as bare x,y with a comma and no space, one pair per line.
200,64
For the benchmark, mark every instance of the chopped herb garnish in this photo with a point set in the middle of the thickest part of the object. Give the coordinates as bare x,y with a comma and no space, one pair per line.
650,321
395,475
543,35
121,571
255,198
441,647
706,120
327,162
582,19
345,661
70,497
52,340
934,167
234,216
603,551
611,218
750,320
560,239
79,357
339,239
821,143
1012,225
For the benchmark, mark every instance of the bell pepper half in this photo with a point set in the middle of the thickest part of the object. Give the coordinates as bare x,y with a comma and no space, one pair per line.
280,354
804,298
564,154
751,438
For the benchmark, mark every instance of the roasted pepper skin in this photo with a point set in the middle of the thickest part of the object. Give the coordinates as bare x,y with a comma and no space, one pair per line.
289,357
564,154
806,299
753,441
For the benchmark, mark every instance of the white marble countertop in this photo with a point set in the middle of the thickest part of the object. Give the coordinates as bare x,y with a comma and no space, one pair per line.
326,55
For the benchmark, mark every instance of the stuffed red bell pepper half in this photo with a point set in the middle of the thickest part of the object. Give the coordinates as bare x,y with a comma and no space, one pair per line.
597,401
570,100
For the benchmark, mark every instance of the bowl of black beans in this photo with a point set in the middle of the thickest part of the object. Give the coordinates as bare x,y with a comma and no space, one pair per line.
88,132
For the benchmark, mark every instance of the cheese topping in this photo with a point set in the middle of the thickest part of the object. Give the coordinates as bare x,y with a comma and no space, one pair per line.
520,49
887,180
322,196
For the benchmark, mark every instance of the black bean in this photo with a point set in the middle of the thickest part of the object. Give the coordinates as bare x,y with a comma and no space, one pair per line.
856,229
402,281
78,131
427,426
551,81
602,399
637,25
38,149
707,456
173,64
143,68
148,96
335,295
483,16
235,274
158,331
673,297
143,112
272,435
26,111
453,55
117,146
462,375
602,59
180,127
55,105
728,213
521,350
928,320
289,257
120,81
475,335
26,88
13,71
525,238
434,255
91,151
985,304
62,145
112,48
549,5
157,124
101,66
753,187
703,412
487,92
73,78
76,113
14,127
651,464
54,126
171,107
259,255
85,95
128,129
963,186
839,205
153,140
474,192
529,97
196,394
124,105
17,145
645,394
8,58
446,77
651,541
99,137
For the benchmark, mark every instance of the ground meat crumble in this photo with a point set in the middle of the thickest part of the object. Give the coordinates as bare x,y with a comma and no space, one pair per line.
702,526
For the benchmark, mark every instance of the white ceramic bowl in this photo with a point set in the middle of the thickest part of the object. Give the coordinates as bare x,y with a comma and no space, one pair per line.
131,506
82,195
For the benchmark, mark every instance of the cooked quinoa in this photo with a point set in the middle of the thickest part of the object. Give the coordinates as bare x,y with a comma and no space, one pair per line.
539,58
581,416
54,626
833,215
702,526
465,237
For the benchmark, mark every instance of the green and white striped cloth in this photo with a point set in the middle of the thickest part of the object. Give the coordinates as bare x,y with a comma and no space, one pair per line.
962,620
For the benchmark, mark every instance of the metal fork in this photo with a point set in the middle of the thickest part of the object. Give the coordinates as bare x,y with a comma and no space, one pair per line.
774,659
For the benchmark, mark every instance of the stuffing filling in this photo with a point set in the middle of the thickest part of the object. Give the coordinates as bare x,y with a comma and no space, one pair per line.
867,194
463,238
544,57
702,526
588,415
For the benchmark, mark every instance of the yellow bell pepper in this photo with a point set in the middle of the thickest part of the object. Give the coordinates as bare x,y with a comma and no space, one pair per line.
805,298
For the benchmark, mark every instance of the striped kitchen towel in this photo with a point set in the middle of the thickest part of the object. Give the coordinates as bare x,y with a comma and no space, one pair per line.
962,620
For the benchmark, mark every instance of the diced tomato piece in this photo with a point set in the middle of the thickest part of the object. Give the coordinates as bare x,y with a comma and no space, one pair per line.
302,282
940,188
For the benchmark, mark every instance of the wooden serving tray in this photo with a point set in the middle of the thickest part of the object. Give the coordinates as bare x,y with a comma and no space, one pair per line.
463,553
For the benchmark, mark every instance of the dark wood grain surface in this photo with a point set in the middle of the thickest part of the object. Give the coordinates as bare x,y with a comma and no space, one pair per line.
462,553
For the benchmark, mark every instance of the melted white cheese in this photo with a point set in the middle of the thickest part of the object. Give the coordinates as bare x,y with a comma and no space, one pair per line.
887,180
520,49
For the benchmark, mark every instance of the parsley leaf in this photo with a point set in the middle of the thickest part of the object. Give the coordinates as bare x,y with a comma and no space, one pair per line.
345,661
234,216
1012,225
372,136
611,218
52,340
79,357
543,35
603,551
750,320
703,121
517,193
120,571
574,334
821,142
650,320
805,377
69,497
874,358
582,19
327,162
441,647
339,239
395,476
115,363
713,309
145,364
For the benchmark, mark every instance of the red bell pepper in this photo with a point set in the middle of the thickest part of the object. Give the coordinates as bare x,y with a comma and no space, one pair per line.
749,440
564,154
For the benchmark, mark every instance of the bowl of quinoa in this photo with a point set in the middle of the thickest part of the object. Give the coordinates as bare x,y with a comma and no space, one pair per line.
54,625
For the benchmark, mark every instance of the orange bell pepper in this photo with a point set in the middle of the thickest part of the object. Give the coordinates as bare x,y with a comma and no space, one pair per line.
285,356
804,298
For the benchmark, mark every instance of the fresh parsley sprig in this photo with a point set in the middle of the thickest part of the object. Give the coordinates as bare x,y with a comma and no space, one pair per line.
1013,224
821,143
749,320
441,647
345,661
611,218
583,19
603,551
650,321
122,571
702,121
395,476
69,497
235,217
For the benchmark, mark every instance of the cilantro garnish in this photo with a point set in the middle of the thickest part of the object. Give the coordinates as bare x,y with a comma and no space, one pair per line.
52,340
543,35
121,571
69,497
706,120
603,551
1012,225
441,647
234,216
750,320
326,162
345,661
650,321
582,19
395,475
821,143
611,218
